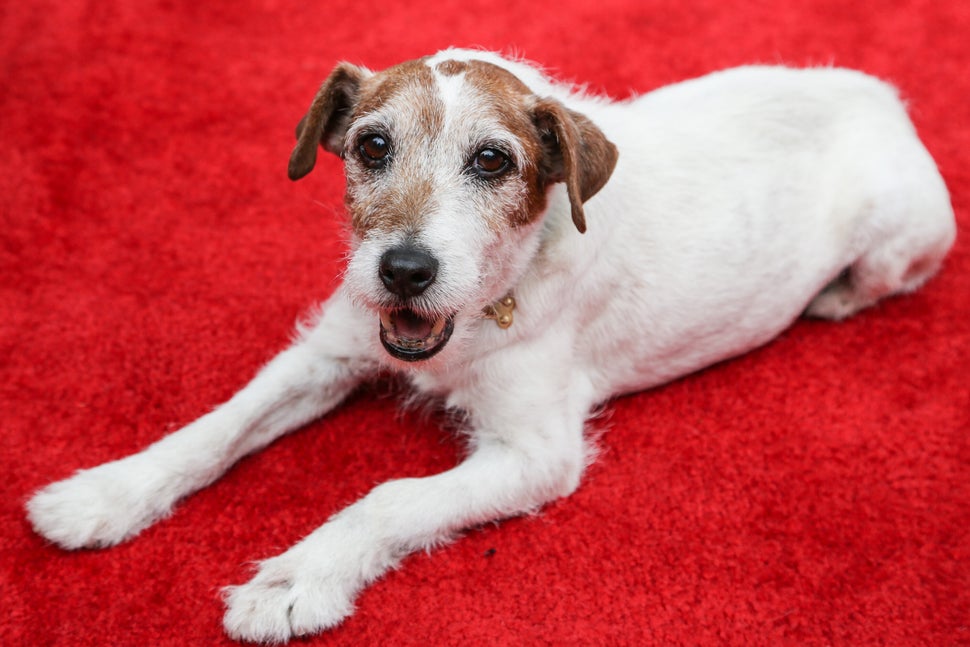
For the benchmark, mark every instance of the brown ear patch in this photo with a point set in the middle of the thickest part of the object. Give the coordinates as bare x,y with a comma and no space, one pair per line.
576,152
325,123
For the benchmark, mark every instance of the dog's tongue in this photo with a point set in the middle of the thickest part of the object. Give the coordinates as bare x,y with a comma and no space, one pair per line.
408,325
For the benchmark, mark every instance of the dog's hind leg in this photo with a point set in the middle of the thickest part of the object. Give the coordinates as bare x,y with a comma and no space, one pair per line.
107,504
875,275
905,232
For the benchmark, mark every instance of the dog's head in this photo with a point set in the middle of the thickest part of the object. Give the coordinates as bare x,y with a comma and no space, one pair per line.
448,164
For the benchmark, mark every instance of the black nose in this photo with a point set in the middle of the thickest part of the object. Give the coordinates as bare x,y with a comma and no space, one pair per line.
407,271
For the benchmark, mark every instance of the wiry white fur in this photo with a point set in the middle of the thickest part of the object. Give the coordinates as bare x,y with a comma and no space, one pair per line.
737,199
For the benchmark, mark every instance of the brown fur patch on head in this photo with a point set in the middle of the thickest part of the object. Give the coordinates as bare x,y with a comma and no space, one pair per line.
350,92
451,67
409,90
412,77
562,145
510,100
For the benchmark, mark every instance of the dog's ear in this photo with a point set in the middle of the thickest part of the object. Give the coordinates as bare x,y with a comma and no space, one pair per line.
575,152
326,122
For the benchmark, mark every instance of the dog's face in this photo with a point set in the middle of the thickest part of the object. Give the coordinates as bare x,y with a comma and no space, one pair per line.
448,167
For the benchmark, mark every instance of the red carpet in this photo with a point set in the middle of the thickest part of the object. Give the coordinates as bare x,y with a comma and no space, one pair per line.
153,255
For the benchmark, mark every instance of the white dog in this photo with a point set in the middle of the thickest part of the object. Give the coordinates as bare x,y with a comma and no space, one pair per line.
718,211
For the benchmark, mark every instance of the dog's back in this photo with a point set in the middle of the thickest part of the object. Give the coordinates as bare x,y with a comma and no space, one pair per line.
739,200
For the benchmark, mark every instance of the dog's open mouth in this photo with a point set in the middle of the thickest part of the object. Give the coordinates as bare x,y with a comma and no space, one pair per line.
410,336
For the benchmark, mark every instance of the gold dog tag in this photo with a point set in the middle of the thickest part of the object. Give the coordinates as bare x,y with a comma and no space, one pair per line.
501,311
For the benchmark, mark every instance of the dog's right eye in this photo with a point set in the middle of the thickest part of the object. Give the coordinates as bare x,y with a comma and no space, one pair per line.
374,150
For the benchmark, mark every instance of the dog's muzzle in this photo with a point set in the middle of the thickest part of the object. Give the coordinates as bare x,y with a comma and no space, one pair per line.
407,271
410,336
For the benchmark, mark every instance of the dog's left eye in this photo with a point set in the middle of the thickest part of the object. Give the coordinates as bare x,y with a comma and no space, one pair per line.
490,163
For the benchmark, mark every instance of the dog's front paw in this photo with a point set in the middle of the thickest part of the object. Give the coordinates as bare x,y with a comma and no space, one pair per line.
95,508
287,599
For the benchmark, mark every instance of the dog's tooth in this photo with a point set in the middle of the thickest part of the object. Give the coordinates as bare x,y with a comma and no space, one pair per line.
387,320
439,325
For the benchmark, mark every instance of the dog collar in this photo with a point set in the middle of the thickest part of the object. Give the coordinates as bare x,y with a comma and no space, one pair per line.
501,311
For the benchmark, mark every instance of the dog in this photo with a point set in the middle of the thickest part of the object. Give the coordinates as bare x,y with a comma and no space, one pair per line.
523,252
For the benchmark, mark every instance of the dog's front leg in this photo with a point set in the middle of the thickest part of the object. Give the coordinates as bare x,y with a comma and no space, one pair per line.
112,502
527,450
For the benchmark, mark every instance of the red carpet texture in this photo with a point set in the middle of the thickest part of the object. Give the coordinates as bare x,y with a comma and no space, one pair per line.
153,255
